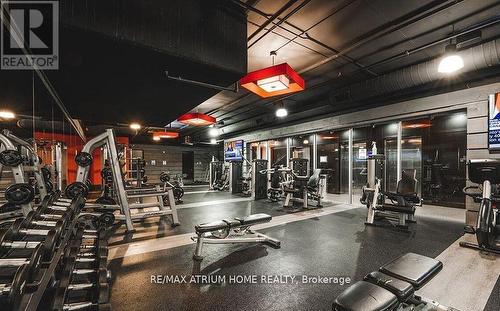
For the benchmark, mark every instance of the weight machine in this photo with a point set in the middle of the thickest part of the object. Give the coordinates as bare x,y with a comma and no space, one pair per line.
22,192
84,160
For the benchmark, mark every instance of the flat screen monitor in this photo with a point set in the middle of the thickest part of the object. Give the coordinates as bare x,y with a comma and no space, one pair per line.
494,122
233,151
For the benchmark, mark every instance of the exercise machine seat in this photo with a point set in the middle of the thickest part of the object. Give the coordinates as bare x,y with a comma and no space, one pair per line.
403,290
254,219
413,268
397,208
211,226
365,296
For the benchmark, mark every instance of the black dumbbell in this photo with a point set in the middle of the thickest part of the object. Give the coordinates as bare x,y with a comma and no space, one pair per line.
27,267
48,245
12,292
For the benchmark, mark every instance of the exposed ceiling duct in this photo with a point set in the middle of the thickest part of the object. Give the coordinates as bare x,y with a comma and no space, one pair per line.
475,58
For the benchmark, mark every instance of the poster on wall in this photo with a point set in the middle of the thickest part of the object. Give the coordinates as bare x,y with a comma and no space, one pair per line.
494,122
233,151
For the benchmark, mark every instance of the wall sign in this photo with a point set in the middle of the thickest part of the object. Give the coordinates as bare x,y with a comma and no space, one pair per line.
494,122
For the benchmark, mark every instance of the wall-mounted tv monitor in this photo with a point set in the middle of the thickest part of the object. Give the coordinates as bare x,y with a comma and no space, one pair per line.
233,151
494,122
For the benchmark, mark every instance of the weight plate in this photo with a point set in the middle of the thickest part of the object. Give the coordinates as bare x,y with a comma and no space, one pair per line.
178,193
11,158
107,219
164,177
19,194
49,246
83,159
49,186
46,173
76,189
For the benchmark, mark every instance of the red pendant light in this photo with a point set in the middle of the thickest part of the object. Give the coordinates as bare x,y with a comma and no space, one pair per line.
165,134
196,119
275,80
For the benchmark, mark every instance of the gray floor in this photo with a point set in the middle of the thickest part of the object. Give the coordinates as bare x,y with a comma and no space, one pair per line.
493,303
332,245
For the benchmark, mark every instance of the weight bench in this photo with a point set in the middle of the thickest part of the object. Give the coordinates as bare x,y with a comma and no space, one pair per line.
393,287
228,231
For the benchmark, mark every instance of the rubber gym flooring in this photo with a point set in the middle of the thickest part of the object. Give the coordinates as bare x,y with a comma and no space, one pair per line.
334,245
493,303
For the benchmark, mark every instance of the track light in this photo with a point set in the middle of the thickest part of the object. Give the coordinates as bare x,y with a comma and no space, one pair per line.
135,126
4,114
281,112
451,61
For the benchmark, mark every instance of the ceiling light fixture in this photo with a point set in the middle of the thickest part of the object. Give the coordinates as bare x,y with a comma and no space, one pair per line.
451,61
275,80
165,134
135,126
213,132
156,138
196,119
4,114
213,141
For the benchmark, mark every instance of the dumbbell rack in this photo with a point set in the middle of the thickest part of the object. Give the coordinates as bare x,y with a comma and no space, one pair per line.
31,300
83,280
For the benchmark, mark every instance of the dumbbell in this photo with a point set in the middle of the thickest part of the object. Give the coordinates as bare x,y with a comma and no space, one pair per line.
49,212
34,219
26,271
48,245
12,292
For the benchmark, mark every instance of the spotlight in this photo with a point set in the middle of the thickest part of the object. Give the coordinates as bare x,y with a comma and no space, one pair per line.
135,126
305,141
451,62
281,112
213,141
156,138
4,114
213,132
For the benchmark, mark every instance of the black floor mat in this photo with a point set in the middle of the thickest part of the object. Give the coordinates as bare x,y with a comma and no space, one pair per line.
336,245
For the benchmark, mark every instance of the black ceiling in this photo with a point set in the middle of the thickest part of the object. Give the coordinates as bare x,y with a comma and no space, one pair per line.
107,77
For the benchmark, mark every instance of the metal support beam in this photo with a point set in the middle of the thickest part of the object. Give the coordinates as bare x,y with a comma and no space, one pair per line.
315,152
233,89
399,150
350,164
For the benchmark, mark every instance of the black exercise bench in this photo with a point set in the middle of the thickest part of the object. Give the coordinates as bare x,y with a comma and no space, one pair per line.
229,231
393,287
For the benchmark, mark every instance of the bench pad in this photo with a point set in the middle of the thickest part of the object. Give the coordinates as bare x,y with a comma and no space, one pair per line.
254,219
403,290
365,296
413,268
211,226
397,208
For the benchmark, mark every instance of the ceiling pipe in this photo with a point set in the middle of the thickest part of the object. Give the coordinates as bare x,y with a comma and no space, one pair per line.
280,21
418,15
475,27
271,19
480,57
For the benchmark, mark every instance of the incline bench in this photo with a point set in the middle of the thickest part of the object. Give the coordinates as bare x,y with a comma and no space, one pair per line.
393,287
228,231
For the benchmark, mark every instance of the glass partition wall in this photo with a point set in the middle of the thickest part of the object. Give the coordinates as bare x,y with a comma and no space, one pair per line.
432,148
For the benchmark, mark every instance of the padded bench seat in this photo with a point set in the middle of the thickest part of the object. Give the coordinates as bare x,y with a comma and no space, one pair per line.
393,285
397,208
413,268
365,296
402,289
232,223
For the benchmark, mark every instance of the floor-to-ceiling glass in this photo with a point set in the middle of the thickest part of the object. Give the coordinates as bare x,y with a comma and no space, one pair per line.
330,149
301,146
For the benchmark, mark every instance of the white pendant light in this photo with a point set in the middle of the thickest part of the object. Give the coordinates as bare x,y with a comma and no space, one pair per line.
451,61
